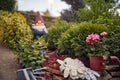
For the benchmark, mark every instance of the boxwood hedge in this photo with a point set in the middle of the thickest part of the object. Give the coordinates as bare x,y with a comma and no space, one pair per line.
72,42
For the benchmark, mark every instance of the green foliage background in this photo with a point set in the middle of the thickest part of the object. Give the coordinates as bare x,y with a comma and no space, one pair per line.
8,5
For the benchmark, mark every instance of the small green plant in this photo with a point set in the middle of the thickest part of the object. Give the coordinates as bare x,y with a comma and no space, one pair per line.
30,55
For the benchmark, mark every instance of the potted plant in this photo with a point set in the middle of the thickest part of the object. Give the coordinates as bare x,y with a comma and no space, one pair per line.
98,49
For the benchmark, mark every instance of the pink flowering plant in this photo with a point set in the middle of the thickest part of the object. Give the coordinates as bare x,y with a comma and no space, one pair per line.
97,45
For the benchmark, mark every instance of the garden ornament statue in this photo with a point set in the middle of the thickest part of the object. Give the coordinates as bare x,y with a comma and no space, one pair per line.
75,69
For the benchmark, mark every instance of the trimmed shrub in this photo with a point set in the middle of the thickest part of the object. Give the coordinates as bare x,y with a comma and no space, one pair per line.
113,39
14,29
72,42
114,42
54,33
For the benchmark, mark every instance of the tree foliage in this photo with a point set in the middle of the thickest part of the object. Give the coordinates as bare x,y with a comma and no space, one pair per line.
7,5
96,10
76,4
68,15
91,11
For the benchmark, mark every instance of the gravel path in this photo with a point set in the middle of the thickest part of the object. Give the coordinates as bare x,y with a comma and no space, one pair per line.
8,64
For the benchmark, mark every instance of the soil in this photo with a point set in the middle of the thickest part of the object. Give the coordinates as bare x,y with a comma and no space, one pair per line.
8,65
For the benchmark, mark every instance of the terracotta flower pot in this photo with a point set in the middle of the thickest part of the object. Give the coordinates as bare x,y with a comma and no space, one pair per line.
85,62
96,63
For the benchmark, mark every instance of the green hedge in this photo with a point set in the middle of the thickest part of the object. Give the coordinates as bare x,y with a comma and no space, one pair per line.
114,42
54,33
72,42
114,39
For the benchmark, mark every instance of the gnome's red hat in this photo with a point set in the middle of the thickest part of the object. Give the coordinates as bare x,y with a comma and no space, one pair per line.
38,18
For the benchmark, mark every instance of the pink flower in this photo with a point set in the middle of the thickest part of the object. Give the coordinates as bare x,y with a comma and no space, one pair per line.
97,43
92,38
103,33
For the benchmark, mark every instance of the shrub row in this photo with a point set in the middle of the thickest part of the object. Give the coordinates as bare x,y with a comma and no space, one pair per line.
17,35
70,40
